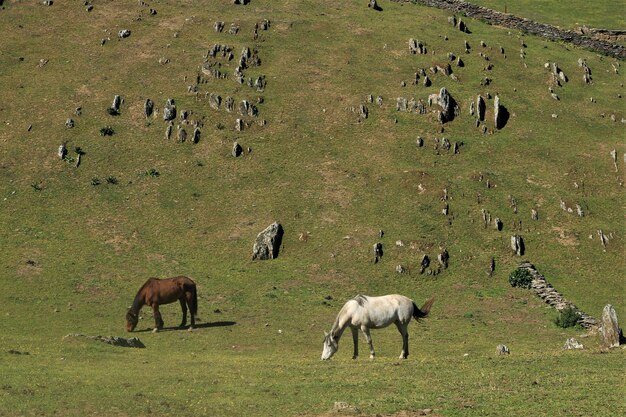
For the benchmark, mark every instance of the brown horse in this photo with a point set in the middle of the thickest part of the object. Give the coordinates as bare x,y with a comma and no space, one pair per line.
164,291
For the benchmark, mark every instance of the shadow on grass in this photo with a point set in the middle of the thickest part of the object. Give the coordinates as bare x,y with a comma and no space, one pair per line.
196,327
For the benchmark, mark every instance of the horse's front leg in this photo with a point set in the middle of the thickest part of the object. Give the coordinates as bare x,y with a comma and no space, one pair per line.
158,321
355,340
368,338
183,306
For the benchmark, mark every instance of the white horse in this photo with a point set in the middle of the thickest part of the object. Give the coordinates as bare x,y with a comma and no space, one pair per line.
365,313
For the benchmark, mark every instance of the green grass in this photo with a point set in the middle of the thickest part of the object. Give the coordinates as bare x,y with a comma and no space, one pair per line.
74,254
597,14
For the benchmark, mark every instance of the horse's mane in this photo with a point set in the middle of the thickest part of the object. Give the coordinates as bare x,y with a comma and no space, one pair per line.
138,302
361,299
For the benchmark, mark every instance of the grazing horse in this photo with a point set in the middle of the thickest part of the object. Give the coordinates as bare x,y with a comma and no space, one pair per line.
164,291
365,313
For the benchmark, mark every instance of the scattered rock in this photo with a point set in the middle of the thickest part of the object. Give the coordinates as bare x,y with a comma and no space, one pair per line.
124,33
501,114
374,6
69,123
148,108
267,243
572,343
378,252
517,245
62,152
237,150
502,350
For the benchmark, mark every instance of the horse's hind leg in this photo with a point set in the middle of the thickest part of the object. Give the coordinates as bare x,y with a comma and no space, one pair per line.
355,339
183,306
368,338
190,302
403,329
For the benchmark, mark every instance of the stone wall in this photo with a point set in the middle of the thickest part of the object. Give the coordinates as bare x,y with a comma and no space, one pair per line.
551,296
540,29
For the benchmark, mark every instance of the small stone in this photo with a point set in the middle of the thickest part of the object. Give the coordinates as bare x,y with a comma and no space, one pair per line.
571,343
502,350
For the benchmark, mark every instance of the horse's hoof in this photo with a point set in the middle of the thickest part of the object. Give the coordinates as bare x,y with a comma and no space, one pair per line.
190,329
155,330
372,357
355,357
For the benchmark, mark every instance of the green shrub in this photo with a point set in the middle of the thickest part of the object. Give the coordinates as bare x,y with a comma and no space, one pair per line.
520,278
152,173
567,318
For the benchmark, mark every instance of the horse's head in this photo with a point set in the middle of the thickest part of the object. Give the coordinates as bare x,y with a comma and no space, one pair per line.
330,346
131,320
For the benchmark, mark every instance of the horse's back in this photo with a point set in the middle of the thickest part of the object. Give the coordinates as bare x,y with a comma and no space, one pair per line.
383,310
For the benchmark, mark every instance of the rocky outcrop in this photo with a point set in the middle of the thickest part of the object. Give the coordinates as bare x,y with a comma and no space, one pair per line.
132,342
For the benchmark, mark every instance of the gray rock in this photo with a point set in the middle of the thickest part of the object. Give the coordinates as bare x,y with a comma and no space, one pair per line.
517,245
196,135
169,111
610,328
424,263
480,108
443,258
148,108
237,150
132,342
239,125
215,101
401,104
572,343
378,252
363,111
501,114
69,123
267,243
229,104
115,106
449,108
243,107
182,134
502,350
124,33
168,131
62,152
374,5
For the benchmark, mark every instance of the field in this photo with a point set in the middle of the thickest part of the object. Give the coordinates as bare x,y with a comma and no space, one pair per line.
78,242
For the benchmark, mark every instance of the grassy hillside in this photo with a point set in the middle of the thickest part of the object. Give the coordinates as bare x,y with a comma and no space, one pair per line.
75,253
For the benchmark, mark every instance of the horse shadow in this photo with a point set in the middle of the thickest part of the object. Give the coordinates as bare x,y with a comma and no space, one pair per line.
206,325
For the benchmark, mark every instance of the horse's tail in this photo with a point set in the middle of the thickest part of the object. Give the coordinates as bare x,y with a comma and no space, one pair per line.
419,313
194,300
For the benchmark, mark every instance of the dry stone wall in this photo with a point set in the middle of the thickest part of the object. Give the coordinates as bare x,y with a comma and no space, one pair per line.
540,29
551,296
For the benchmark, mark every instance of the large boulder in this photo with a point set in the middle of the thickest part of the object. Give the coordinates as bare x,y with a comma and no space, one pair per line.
610,328
267,243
